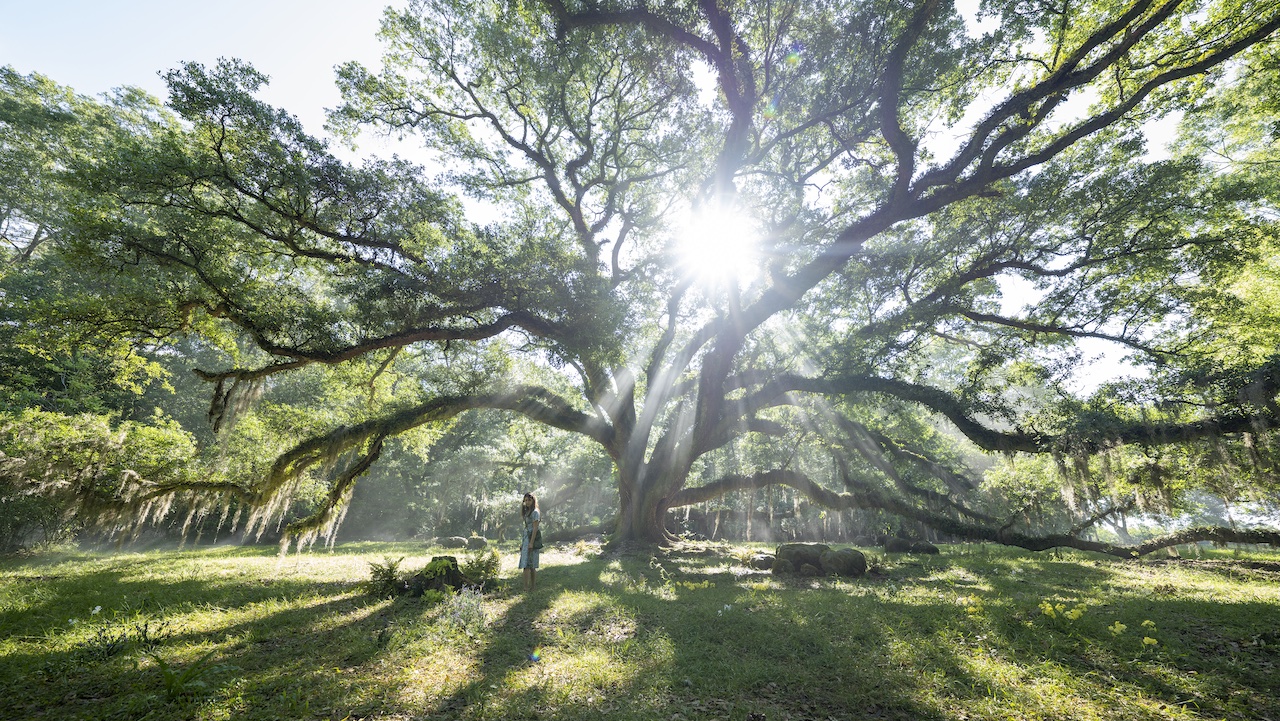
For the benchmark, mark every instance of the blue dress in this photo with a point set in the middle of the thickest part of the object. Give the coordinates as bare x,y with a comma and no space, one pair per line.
529,556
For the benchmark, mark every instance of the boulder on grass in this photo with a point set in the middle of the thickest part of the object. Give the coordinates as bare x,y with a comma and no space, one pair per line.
924,547
893,544
782,566
798,554
761,561
475,543
846,562
809,569
451,542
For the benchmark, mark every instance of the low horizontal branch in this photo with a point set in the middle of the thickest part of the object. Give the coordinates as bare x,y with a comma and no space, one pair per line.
573,534
301,357
863,496
939,401
533,402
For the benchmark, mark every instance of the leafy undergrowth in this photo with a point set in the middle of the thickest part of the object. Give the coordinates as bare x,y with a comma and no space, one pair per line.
977,633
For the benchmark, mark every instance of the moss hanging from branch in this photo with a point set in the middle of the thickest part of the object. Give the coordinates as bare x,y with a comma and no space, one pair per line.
864,495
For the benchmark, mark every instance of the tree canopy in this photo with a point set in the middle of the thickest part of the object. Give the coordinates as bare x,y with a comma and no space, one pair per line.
790,232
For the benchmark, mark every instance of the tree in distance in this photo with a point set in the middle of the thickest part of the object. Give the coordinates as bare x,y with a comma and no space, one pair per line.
785,228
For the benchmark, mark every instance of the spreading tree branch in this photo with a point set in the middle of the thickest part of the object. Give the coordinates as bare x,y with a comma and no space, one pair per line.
865,496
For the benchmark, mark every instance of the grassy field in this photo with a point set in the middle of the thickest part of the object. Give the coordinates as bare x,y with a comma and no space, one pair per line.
979,632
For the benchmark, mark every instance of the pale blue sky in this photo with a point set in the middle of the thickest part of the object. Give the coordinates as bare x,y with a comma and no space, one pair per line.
96,46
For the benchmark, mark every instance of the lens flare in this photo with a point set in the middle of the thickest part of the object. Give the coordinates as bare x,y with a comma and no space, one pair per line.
718,244
792,57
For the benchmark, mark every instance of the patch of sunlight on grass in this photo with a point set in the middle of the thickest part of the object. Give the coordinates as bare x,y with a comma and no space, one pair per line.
760,583
581,621
960,576
566,557
639,637
328,620
992,685
426,680
567,673
634,582
591,656
1046,692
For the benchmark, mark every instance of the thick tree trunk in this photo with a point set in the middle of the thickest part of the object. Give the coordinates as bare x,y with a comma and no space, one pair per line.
640,515
642,511
638,523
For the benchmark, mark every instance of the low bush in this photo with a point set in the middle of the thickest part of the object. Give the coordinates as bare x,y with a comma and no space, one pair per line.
482,566
385,578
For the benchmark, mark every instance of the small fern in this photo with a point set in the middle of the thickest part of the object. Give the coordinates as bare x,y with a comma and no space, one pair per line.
482,566
385,578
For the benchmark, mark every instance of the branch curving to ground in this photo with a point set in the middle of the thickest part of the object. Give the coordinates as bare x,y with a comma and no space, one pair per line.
864,496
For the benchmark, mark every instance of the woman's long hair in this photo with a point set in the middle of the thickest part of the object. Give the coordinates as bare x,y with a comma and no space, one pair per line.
526,509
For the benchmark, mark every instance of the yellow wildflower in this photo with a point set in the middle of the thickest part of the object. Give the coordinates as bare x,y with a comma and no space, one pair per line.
1149,624
1148,641
1117,628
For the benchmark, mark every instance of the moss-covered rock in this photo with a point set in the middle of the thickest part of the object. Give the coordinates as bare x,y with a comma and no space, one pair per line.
845,562
799,554
893,544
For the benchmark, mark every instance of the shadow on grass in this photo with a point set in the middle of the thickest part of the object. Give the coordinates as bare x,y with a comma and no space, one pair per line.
672,637
284,638
704,649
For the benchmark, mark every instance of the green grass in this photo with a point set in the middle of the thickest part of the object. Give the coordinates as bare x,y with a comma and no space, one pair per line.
237,633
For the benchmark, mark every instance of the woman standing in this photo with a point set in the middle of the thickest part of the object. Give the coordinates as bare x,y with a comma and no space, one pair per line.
528,554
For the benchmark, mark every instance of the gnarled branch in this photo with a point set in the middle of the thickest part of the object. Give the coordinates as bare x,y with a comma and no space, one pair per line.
866,497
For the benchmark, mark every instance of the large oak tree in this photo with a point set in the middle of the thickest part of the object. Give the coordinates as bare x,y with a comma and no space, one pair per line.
868,177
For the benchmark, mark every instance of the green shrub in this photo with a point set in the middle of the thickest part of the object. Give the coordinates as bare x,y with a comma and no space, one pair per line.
28,521
385,578
482,566
437,567
431,597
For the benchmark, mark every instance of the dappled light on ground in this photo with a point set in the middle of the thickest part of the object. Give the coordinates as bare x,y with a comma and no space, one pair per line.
974,633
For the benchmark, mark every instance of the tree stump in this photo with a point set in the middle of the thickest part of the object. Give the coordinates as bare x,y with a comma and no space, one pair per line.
442,575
